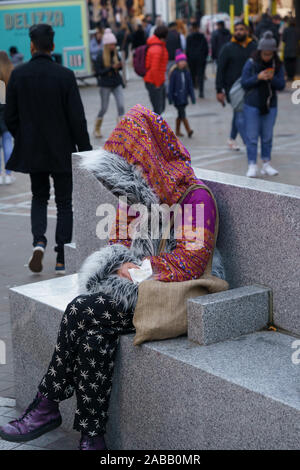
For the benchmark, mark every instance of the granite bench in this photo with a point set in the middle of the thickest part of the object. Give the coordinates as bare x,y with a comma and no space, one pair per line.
239,393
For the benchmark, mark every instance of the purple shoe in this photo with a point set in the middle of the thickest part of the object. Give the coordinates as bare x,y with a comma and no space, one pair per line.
92,443
41,416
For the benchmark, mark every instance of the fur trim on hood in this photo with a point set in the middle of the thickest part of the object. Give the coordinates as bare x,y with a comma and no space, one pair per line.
120,177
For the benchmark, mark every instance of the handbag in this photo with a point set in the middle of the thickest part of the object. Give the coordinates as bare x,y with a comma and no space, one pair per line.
237,95
161,309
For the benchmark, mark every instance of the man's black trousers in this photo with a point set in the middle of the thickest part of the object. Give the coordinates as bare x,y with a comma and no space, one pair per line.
40,188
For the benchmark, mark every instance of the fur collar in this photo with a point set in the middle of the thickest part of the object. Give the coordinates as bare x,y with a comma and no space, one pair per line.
120,177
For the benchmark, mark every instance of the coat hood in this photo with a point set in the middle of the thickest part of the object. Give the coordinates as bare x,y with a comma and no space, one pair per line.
155,40
143,137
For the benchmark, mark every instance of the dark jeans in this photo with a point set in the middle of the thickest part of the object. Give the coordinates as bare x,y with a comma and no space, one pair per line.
290,65
181,111
157,97
197,70
40,188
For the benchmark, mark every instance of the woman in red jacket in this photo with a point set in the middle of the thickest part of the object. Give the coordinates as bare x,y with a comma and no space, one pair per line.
156,66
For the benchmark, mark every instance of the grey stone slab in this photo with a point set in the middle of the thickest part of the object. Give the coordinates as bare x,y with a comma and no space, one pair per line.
48,438
9,392
259,238
4,420
68,442
57,293
12,412
5,445
6,411
70,258
175,394
29,447
8,402
88,194
5,384
224,315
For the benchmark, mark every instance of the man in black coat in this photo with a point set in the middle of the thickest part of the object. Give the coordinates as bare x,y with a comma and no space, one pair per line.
266,24
173,41
197,52
45,115
231,61
219,37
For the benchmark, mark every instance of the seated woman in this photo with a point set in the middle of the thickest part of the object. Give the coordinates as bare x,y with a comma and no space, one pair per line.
144,161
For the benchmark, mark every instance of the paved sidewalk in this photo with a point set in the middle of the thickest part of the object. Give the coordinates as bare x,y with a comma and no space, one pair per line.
211,125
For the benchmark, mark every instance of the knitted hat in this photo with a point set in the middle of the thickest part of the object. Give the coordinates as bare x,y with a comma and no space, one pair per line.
267,42
109,37
179,55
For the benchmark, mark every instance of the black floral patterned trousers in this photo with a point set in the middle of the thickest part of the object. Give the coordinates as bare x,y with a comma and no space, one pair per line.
83,359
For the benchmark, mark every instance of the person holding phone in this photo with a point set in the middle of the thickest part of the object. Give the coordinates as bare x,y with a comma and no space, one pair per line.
262,77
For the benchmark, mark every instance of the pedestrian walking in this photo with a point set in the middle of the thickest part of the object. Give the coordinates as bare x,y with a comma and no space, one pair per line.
96,45
291,48
266,24
262,77
197,52
231,61
138,162
156,66
108,65
182,30
180,89
6,68
173,43
138,36
219,37
45,115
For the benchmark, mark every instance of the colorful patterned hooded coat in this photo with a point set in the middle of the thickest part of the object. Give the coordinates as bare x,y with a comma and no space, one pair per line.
144,161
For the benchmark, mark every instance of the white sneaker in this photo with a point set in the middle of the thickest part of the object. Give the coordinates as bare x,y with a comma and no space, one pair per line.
267,169
8,179
252,170
1,179
35,262
233,145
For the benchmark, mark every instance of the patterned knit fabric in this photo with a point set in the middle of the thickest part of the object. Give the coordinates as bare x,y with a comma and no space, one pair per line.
145,138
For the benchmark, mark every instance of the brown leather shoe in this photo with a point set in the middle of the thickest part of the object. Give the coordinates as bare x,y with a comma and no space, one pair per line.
178,133
190,132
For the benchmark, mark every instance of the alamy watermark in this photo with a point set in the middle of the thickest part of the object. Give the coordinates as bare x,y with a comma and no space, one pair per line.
139,221
296,94
2,352
296,354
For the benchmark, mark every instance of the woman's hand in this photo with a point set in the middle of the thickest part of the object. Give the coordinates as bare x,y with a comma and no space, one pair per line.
123,270
270,73
264,75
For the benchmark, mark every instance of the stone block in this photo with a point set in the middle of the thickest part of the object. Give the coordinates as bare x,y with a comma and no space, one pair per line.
259,238
224,315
